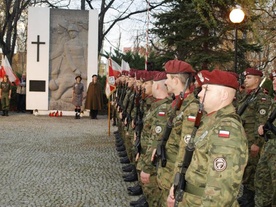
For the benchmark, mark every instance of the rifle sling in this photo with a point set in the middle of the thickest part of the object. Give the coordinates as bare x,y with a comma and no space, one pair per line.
190,188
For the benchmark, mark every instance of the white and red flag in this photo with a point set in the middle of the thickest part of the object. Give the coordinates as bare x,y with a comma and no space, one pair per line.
114,71
6,69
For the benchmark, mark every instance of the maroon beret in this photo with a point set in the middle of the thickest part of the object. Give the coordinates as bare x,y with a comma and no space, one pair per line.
217,77
132,73
160,76
273,74
125,72
252,71
147,76
178,66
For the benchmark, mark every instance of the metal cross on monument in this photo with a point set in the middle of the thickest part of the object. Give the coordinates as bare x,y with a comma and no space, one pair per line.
38,43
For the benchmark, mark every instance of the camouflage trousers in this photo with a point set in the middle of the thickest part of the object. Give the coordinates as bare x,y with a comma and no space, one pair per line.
5,101
129,145
249,172
163,197
265,179
152,192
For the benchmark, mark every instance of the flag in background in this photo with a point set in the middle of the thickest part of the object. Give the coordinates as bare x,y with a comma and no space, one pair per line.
125,65
6,69
113,72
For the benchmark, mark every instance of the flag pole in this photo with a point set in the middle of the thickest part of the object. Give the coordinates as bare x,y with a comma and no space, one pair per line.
147,37
108,107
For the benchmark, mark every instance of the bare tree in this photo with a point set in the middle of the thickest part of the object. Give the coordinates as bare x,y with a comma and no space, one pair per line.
10,14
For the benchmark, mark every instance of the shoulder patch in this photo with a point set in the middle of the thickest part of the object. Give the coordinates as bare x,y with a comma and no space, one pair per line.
161,113
158,129
224,134
191,118
262,111
220,164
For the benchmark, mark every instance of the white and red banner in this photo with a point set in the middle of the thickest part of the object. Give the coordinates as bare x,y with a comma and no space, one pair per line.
6,69
114,71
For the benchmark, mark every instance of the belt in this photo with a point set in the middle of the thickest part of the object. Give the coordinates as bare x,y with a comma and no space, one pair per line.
198,191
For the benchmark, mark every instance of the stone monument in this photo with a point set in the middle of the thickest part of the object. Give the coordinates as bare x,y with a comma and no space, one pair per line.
61,45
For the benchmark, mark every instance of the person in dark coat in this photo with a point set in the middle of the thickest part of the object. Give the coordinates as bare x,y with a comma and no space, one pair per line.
94,98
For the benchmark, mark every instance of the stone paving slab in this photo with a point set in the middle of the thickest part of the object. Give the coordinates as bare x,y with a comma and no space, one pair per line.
59,162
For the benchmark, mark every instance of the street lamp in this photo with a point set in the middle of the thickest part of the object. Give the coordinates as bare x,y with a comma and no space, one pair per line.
236,16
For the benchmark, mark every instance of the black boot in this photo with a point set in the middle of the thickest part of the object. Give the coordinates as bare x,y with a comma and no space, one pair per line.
4,113
76,115
7,113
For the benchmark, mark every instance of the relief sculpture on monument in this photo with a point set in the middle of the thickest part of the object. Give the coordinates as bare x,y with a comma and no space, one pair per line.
68,57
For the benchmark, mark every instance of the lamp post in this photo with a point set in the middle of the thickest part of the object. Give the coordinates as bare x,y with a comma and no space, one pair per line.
236,16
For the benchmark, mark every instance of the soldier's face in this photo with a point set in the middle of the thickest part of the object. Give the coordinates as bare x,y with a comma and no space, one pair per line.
148,87
212,98
251,81
170,83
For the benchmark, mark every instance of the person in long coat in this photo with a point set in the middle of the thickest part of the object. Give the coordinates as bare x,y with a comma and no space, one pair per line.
94,98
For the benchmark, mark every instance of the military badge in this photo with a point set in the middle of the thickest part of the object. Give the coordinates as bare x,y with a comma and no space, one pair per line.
224,133
161,113
191,118
220,164
263,99
200,76
262,111
158,129
187,138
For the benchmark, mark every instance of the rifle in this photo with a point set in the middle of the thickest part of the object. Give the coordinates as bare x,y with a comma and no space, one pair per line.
139,123
250,98
179,181
269,126
161,148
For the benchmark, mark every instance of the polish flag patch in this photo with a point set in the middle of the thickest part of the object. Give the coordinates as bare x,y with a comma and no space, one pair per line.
191,118
161,113
224,134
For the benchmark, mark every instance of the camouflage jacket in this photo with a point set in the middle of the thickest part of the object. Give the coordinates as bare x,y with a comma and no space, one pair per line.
188,108
254,115
154,124
270,145
221,153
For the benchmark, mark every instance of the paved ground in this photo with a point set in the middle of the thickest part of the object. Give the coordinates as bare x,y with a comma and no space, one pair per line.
59,162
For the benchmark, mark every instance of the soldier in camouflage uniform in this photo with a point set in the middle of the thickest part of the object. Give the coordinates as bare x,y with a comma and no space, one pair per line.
179,77
154,124
5,95
125,116
265,177
215,173
254,115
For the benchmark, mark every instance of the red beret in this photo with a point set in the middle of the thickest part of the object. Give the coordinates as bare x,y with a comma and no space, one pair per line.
252,71
178,66
217,77
147,76
125,72
160,76
132,73
273,74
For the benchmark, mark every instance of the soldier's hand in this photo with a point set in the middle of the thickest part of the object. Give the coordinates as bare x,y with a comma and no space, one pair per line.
254,150
145,177
137,157
132,124
120,115
153,154
170,199
261,130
